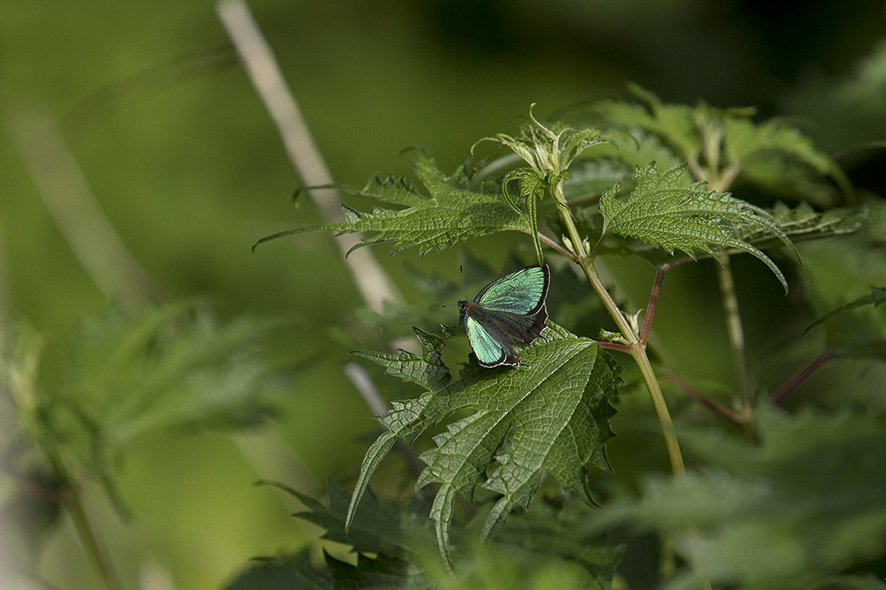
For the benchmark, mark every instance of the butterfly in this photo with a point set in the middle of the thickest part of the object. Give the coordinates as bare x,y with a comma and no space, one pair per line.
507,310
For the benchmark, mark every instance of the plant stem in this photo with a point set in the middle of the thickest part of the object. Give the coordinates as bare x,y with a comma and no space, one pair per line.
636,348
800,377
710,404
554,245
587,266
74,504
257,57
736,334
661,409
653,300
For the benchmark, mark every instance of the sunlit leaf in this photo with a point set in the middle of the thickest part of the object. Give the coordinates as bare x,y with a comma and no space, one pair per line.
551,415
665,212
446,211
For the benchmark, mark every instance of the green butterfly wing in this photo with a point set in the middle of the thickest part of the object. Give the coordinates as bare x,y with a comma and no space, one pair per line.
508,310
489,351
522,292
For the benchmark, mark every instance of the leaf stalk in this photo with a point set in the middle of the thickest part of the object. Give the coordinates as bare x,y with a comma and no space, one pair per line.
74,505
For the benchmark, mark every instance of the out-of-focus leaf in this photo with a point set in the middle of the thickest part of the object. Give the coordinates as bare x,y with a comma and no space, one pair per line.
169,368
282,573
805,503
838,274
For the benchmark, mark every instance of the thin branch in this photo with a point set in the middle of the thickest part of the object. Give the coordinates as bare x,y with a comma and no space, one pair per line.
258,59
377,405
653,300
73,502
800,377
710,404
554,245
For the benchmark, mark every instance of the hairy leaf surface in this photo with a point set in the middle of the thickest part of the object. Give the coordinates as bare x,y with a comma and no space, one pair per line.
448,210
663,211
550,416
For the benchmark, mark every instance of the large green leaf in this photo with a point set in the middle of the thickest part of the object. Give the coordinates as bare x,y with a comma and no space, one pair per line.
548,416
452,211
664,211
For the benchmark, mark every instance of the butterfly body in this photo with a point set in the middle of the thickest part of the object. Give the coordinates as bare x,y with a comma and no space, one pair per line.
508,310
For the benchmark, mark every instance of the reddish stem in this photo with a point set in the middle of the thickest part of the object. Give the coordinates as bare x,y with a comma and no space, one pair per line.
710,404
800,377
653,299
614,346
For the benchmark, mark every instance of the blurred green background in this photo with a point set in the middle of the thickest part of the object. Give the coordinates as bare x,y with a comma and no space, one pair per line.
187,166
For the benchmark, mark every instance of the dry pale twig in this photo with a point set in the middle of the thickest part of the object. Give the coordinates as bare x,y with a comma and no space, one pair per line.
261,66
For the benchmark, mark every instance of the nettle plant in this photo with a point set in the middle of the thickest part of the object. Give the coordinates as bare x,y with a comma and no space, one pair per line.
517,464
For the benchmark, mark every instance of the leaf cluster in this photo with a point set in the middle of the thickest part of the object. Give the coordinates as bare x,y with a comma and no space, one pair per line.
661,182
127,376
721,146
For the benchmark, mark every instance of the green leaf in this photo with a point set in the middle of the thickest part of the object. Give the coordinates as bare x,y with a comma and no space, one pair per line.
379,527
549,416
778,157
722,144
169,368
804,223
664,212
282,573
377,451
674,125
426,370
451,212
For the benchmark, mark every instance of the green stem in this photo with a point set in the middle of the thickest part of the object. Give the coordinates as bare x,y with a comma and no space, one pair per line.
587,266
74,505
661,409
736,335
636,348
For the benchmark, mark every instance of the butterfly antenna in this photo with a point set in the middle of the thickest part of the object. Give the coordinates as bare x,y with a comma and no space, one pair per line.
460,270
